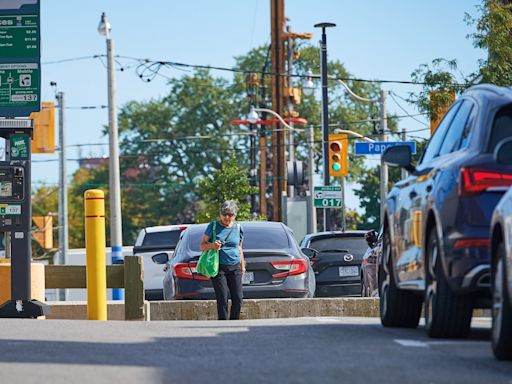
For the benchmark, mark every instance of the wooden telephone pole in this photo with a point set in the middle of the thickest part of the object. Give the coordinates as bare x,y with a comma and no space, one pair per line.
278,136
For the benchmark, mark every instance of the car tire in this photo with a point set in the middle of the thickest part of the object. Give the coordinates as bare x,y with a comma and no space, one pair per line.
501,335
447,314
398,308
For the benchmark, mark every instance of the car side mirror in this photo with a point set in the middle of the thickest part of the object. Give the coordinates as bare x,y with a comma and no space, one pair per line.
371,238
503,152
399,156
309,252
160,258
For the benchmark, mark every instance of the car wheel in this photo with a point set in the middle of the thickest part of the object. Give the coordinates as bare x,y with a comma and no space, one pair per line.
501,309
447,314
398,308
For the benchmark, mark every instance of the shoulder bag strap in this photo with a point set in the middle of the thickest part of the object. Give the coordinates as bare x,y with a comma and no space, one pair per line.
214,231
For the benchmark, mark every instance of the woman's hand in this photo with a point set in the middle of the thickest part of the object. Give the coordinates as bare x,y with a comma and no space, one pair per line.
217,245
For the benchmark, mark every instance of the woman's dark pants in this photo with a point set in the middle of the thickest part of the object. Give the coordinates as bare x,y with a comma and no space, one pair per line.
228,282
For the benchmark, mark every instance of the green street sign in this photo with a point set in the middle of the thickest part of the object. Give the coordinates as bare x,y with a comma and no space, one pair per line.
328,197
20,58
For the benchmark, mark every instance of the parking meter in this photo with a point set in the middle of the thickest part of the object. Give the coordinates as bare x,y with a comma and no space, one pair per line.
16,222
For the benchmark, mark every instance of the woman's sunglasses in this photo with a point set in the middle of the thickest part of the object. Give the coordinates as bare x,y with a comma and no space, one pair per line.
228,214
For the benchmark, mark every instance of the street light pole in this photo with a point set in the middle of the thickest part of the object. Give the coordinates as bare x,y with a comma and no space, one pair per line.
325,112
116,236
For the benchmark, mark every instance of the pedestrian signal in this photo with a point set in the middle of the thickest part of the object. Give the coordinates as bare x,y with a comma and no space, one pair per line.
338,154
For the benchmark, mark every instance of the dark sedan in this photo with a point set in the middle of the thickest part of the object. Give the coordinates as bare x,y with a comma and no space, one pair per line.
275,266
336,258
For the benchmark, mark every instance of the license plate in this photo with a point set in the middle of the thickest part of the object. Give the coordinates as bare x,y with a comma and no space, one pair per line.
349,271
247,277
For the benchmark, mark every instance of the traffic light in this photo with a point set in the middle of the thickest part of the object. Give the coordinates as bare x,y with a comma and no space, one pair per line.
338,154
44,128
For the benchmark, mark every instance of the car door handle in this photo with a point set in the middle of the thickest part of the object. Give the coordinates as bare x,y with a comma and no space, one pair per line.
413,194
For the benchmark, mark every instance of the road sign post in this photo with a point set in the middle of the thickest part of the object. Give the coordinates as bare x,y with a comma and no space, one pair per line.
328,197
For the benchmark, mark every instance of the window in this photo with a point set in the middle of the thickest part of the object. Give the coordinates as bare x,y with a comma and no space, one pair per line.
454,135
502,128
166,238
436,140
255,237
354,245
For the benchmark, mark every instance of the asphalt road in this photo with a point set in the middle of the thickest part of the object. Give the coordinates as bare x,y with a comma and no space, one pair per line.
302,350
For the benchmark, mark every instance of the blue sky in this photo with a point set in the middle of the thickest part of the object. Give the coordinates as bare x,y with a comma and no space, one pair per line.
375,39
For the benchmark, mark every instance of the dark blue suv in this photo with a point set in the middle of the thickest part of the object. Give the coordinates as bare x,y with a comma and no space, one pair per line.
436,223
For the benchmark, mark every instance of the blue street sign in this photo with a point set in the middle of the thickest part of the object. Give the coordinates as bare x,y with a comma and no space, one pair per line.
378,147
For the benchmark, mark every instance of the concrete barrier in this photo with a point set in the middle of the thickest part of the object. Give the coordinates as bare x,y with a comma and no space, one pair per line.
266,308
251,309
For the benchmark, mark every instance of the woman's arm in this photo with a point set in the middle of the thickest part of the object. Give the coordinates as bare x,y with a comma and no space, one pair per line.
242,260
206,245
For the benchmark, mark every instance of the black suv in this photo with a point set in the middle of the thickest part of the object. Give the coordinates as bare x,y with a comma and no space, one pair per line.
436,222
336,258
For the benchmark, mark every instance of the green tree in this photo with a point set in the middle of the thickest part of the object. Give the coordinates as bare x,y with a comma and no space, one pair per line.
493,33
229,182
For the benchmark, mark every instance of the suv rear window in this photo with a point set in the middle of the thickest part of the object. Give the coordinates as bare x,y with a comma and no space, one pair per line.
502,127
255,237
355,245
165,239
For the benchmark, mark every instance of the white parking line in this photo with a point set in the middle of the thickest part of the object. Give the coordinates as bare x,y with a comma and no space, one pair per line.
426,344
411,343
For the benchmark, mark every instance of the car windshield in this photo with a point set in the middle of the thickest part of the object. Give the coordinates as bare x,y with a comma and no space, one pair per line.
164,238
255,237
354,245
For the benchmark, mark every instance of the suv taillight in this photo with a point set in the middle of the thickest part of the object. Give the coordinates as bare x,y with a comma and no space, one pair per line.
474,181
292,267
187,271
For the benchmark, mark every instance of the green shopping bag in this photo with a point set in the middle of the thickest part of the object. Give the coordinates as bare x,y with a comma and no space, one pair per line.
208,264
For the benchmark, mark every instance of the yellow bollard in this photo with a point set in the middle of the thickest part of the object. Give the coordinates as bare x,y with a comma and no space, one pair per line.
95,244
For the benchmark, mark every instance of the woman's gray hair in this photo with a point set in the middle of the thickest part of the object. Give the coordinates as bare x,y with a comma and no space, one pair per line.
229,206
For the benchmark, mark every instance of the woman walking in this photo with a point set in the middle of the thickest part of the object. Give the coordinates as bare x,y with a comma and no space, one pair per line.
228,243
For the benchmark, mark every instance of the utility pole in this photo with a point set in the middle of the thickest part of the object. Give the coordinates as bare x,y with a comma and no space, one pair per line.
291,148
116,232
63,195
311,165
325,114
383,166
278,136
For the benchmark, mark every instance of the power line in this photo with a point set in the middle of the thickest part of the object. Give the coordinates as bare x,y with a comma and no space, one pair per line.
148,69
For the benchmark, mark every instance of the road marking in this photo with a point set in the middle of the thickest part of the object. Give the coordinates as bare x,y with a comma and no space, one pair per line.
426,344
411,343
